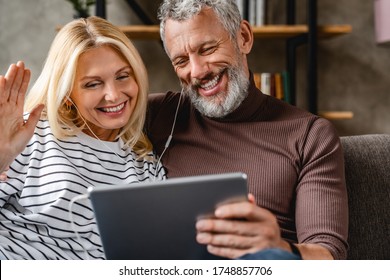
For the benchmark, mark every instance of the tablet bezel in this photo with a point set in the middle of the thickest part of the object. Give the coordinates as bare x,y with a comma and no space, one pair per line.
156,220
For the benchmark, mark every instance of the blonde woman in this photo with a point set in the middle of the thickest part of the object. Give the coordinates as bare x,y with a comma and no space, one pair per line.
94,90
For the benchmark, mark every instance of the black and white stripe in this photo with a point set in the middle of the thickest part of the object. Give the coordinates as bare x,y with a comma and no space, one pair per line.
45,177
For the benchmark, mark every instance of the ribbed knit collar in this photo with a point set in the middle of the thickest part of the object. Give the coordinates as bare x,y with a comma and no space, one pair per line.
249,108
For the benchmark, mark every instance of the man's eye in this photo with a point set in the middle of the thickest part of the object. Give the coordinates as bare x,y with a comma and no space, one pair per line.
180,62
208,50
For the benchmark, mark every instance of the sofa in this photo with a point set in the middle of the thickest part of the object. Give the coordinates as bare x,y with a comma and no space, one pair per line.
367,171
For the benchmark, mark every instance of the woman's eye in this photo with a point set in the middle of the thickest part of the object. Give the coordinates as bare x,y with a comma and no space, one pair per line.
123,76
92,84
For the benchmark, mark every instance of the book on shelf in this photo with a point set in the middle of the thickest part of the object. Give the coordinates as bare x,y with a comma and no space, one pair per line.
257,79
273,84
286,87
260,12
382,21
265,80
241,7
278,86
253,11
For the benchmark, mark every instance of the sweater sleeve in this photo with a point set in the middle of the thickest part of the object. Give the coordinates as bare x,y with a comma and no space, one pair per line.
322,203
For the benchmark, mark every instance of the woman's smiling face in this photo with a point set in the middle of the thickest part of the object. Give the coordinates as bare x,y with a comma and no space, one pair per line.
105,91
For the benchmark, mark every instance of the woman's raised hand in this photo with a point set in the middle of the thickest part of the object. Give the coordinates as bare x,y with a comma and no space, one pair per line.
15,132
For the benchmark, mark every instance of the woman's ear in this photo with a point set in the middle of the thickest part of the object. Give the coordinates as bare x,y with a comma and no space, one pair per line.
245,37
68,101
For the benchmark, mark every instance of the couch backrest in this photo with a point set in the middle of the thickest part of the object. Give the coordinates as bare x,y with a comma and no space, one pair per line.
367,170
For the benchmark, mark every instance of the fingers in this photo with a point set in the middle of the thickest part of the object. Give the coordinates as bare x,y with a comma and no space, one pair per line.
16,83
19,80
231,246
232,239
10,77
243,218
229,253
251,198
26,133
3,174
233,227
33,119
3,95
227,240
24,86
242,210
3,177
239,228
226,246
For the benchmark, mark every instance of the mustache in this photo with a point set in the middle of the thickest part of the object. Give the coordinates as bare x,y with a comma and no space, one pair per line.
196,83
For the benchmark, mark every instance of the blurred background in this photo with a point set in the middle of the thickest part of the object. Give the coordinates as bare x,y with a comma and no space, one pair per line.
353,69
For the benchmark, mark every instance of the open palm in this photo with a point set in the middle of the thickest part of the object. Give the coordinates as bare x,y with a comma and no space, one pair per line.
15,132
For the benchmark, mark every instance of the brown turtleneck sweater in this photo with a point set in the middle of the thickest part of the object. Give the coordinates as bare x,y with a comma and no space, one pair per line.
293,160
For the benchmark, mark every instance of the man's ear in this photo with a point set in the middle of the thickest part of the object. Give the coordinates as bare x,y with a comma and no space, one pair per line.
245,37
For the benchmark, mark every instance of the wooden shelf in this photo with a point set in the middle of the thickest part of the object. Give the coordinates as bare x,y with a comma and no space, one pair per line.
149,32
152,32
287,31
336,115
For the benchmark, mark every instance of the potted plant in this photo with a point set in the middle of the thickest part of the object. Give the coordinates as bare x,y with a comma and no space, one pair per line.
81,7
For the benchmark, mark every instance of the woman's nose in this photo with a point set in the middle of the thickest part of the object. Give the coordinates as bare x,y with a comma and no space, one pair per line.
111,93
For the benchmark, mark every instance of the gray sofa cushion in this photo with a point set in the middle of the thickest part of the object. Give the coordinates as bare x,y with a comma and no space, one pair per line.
367,170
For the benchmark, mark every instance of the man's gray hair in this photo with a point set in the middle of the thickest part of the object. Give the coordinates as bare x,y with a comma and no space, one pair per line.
180,10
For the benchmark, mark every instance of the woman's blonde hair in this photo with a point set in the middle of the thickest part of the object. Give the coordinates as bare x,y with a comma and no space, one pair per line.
55,83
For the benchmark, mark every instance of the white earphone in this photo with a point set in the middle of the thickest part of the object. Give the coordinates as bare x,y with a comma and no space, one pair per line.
171,134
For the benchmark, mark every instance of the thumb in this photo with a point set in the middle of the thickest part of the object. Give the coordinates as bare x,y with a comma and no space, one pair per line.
251,198
33,119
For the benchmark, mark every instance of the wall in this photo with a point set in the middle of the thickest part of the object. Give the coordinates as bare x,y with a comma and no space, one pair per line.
353,71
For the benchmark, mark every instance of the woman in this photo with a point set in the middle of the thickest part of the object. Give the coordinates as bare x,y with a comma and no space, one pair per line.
94,90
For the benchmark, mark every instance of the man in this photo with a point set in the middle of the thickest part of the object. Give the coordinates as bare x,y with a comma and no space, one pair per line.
293,159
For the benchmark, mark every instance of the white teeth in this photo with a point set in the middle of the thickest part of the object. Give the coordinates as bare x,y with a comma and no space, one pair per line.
210,84
113,109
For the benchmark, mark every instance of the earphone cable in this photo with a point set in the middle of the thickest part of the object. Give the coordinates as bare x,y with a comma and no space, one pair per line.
72,222
166,143
100,141
170,135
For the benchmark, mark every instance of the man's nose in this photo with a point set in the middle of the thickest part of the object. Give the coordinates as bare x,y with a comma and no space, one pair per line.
199,67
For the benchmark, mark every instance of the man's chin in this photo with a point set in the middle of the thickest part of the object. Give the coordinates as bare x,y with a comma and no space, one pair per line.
210,109
209,106
216,100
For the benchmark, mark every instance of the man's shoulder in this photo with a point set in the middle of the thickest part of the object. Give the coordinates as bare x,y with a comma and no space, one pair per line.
298,117
154,97
284,110
165,103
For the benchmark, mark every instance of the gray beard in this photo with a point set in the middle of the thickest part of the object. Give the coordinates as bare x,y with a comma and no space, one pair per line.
219,106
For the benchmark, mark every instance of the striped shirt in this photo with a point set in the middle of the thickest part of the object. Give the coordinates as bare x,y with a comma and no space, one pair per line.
35,201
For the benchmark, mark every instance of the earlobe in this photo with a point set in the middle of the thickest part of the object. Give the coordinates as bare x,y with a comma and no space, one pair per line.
68,102
245,37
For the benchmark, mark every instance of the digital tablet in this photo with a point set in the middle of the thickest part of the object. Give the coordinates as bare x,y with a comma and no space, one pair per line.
156,220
